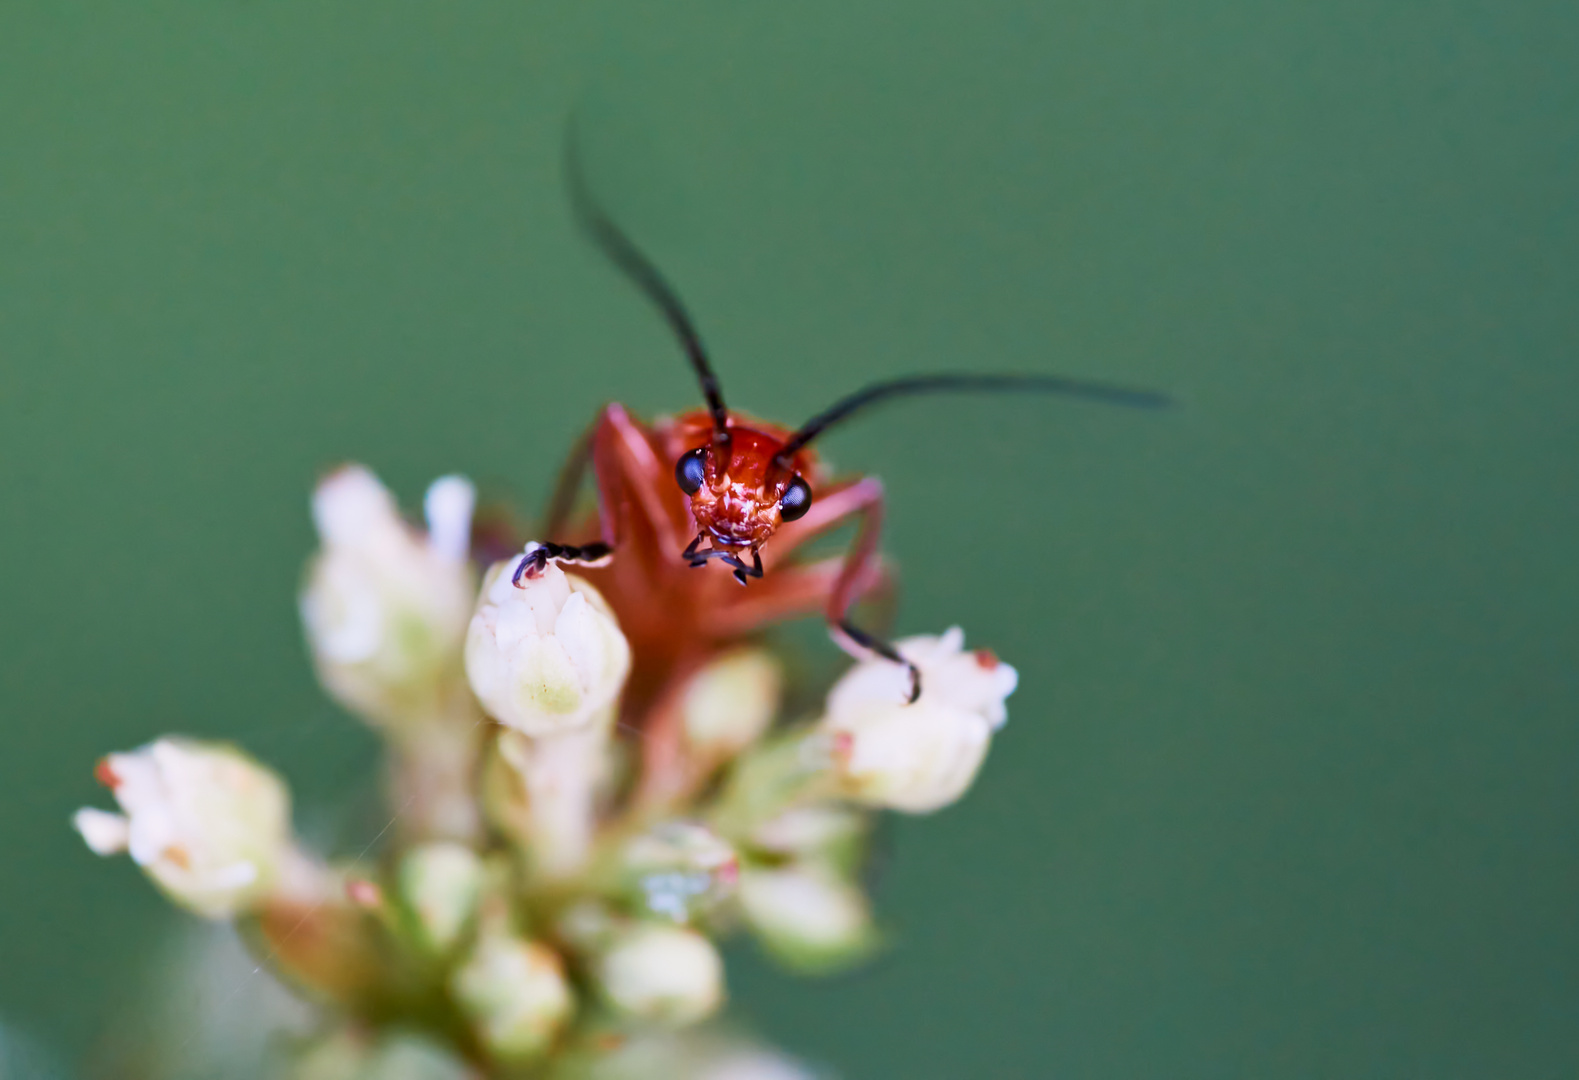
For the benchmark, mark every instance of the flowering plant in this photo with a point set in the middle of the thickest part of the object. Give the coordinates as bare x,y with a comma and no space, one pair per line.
581,812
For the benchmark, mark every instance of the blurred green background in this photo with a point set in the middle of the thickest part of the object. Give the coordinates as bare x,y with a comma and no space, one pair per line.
1288,788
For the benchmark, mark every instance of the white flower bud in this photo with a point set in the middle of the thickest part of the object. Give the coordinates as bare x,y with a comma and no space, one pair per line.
516,994
385,607
440,883
545,656
921,757
208,824
811,831
731,702
663,973
681,869
807,915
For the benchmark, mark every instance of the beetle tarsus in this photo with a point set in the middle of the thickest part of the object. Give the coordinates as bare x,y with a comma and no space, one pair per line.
538,555
875,644
741,573
695,558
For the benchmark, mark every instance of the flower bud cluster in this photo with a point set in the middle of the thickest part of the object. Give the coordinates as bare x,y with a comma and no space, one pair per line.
597,820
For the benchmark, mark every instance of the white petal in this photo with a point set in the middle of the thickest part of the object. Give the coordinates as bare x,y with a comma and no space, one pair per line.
448,508
485,664
343,609
546,691
350,507
105,833
580,632
136,780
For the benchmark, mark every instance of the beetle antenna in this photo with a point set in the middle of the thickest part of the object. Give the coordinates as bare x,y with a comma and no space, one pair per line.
966,384
624,253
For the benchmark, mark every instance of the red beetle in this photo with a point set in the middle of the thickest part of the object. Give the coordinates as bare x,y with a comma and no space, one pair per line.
714,485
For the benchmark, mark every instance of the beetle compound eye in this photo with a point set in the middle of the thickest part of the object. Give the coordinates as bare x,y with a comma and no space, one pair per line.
796,500
691,470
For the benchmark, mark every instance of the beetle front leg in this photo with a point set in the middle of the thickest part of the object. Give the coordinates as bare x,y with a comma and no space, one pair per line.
628,478
539,553
537,556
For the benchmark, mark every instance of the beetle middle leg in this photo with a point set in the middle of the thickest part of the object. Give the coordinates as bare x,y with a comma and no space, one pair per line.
846,629
859,570
862,553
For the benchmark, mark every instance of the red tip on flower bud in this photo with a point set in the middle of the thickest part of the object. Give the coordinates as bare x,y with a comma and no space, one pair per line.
987,660
104,773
